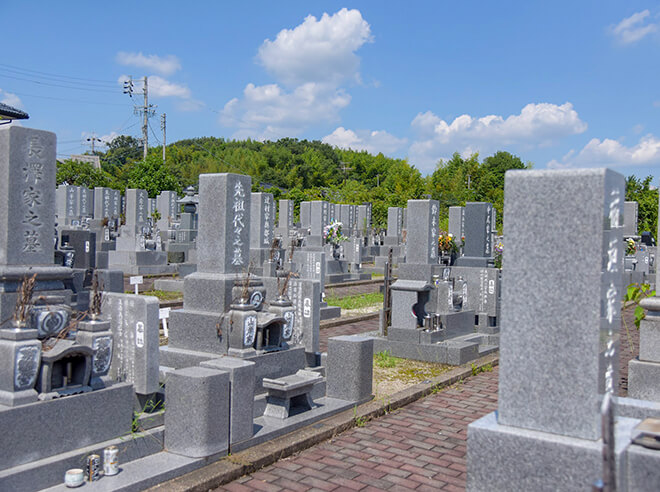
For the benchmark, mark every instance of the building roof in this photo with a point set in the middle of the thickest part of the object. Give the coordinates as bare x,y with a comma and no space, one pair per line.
10,113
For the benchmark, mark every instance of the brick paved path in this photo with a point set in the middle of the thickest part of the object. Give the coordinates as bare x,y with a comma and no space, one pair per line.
419,447
347,329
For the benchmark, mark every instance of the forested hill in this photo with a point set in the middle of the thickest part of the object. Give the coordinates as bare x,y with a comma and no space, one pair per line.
302,170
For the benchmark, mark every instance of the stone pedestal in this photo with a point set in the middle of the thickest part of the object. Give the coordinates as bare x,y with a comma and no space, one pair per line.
97,335
20,353
197,417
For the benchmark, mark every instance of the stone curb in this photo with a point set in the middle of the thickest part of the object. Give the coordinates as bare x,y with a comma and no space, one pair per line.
252,459
331,323
354,283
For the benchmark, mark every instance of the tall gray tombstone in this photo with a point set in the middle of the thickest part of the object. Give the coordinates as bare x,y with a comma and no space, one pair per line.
305,214
86,197
560,326
456,223
223,243
318,221
332,213
116,203
423,227
27,223
285,220
103,203
68,204
27,191
319,217
630,218
136,218
137,211
394,226
167,206
262,220
363,219
166,203
478,231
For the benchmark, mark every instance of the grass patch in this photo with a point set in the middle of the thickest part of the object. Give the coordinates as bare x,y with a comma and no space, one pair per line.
385,360
393,374
377,275
162,295
356,301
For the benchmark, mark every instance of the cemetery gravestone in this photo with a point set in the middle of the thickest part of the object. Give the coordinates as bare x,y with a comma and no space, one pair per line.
478,248
630,211
552,380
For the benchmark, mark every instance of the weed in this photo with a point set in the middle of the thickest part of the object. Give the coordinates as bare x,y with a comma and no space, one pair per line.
356,301
162,295
385,360
360,421
485,368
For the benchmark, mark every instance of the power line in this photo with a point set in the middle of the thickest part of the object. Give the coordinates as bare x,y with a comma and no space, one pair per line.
59,85
23,94
153,133
38,73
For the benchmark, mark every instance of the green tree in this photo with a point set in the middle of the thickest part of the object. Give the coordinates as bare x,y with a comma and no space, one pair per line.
121,149
81,174
152,175
640,191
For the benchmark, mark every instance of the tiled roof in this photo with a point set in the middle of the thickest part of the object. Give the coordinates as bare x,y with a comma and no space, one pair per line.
9,113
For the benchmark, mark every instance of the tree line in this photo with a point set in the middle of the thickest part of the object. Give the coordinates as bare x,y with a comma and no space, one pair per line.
312,170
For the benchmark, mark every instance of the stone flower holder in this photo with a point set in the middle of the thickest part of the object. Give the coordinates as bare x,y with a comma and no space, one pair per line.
97,334
242,326
20,358
283,307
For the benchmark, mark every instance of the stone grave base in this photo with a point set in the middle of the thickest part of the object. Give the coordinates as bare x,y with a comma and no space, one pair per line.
642,469
504,458
329,312
473,261
147,472
140,262
60,427
338,278
269,365
169,284
643,380
636,409
457,351
379,261
267,428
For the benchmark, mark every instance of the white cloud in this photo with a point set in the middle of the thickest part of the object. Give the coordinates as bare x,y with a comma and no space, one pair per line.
270,112
317,50
11,99
608,152
372,141
166,65
537,125
633,28
159,87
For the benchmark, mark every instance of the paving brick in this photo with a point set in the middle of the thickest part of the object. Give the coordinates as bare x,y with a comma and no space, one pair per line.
421,446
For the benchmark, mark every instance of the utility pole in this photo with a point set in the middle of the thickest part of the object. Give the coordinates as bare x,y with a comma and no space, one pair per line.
92,140
163,126
147,110
345,168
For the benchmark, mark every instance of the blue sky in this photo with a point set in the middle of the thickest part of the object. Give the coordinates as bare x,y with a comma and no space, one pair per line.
560,84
